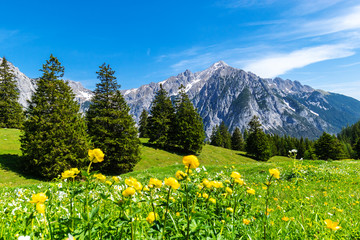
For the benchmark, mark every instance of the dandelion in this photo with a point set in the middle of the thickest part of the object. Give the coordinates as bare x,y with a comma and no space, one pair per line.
275,173
96,155
172,182
332,225
246,221
191,161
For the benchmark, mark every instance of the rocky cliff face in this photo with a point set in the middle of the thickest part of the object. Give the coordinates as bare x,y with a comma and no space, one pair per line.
223,93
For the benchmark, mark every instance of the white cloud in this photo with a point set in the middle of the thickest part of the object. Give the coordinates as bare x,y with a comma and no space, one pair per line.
272,66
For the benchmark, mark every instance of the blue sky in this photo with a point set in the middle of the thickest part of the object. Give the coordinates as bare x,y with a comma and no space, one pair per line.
314,42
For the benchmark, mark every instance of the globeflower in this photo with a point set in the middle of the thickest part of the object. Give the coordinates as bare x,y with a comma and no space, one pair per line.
180,175
128,192
38,198
251,191
228,190
275,173
285,219
239,181
70,173
191,161
235,175
151,217
246,221
230,210
96,155
155,182
332,225
172,182
100,177
40,208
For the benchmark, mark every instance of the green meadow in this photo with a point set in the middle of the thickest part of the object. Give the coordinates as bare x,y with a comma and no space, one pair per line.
309,200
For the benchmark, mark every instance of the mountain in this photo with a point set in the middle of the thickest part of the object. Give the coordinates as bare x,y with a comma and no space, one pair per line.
223,93
27,86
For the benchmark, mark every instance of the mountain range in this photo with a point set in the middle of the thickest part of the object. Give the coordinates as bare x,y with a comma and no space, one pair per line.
223,93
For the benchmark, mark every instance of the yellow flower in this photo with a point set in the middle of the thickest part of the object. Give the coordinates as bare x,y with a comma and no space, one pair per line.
151,217
75,171
100,177
217,184
275,199
251,191
191,161
235,175
177,214
239,181
40,208
155,182
207,183
228,190
172,182
146,189
180,175
38,198
67,174
212,200
96,155
230,210
246,221
116,179
332,225
108,183
285,219
205,195
128,192
275,173
264,187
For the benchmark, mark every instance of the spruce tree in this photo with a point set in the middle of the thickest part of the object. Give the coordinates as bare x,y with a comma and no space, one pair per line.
143,124
215,138
237,141
257,144
357,148
225,135
111,127
11,113
328,147
188,125
162,115
54,134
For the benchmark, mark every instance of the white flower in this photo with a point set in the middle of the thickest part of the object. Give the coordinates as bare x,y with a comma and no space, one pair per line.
24,238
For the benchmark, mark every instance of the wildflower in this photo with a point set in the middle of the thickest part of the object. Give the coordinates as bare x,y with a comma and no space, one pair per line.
40,208
246,221
235,175
96,155
268,211
67,174
212,200
239,181
230,210
130,181
207,183
151,217
155,182
217,184
128,192
108,183
285,219
275,173
177,214
24,238
228,190
38,198
264,187
251,191
172,182
75,171
180,175
100,177
116,179
191,161
275,199
332,225
146,189
205,195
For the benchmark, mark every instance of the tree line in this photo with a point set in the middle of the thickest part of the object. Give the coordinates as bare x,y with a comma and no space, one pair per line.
262,146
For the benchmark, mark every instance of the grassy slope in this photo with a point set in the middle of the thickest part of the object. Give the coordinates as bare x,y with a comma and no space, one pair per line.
10,171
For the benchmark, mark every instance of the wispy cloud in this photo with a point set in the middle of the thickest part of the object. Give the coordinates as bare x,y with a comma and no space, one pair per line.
275,65
244,3
306,7
6,34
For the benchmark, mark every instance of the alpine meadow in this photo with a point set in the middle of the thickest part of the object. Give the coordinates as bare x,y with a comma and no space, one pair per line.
191,120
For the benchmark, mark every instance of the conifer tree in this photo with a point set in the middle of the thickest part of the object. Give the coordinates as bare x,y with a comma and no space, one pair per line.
188,125
237,141
357,148
257,143
111,127
328,147
143,124
215,138
11,113
162,115
54,134
225,135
